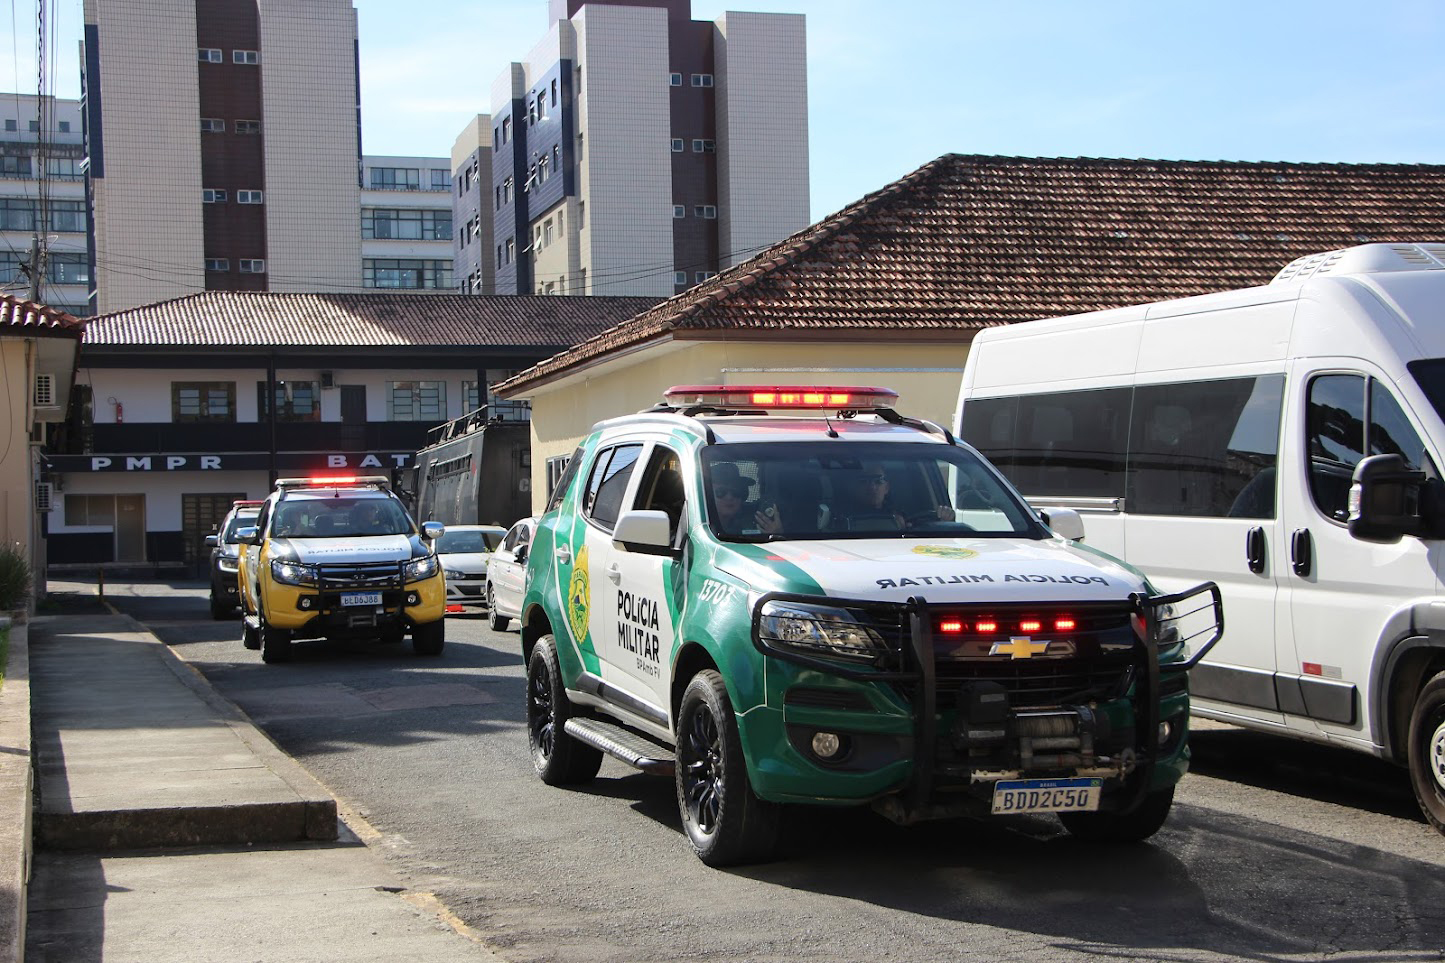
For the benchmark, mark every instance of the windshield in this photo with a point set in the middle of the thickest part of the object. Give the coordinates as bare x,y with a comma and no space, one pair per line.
340,517
453,542
858,490
1430,376
238,521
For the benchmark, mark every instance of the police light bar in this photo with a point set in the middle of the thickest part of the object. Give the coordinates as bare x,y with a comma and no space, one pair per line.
781,396
321,481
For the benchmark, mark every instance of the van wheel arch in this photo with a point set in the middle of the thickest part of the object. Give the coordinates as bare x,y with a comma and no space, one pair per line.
1412,663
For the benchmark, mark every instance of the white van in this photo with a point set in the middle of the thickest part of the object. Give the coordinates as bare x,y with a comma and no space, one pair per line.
1283,441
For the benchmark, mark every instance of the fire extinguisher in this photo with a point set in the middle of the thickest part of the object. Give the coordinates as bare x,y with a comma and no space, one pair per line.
119,412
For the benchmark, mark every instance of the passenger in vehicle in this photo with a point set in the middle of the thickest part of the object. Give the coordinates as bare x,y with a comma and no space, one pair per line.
863,501
735,514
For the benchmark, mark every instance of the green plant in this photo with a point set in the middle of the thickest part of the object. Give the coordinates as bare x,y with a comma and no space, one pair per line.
14,577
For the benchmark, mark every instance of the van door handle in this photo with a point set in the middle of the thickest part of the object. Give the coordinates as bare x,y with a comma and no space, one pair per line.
614,572
1301,551
563,554
1254,548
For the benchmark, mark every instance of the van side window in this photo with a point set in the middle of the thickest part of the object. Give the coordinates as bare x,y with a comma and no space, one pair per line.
1390,430
610,475
1068,443
1335,435
1205,449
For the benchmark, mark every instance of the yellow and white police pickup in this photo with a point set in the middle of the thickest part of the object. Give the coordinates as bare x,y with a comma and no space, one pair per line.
339,558
796,595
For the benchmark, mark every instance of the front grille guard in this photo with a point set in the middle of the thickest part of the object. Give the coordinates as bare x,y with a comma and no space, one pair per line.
360,576
914,661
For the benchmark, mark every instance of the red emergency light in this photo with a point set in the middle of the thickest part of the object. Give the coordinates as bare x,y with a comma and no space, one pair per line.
815,397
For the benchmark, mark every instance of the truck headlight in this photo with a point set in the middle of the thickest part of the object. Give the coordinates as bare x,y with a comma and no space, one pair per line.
227,563
819,630
293,573
421,568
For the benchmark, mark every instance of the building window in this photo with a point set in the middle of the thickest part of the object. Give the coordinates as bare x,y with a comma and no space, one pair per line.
16,165
417,401
412,274
499,255
471,398
68,269
252,266
702,80
67,217
17,214
295,401
248,127
581,215
217,264
212,125
66,168
674,80
406,224
554,91
677,145
700,146
441,180
209,55
211,401
35,127
10,126
96,510
679,278
679,210
248,197
211,195
65,126
506,129
700,276
250,57
547,232
395,179
511,249
705,210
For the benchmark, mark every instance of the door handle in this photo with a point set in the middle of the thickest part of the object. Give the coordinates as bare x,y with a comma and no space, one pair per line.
1301,551
563,554
1254,549
614,572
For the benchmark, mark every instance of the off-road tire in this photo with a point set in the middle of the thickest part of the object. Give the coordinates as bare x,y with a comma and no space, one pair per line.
559,759
1426,753
275,645
1133,826
250,638
429,638
499,622
724,819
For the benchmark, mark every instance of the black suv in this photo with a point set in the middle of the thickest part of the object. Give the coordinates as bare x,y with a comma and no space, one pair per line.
224,549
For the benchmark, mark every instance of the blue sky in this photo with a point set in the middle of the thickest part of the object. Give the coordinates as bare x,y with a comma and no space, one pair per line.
895,84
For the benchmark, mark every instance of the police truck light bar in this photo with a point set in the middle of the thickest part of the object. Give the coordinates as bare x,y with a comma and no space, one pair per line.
836,397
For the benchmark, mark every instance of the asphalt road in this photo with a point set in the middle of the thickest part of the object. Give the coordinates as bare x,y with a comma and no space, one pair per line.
1276,850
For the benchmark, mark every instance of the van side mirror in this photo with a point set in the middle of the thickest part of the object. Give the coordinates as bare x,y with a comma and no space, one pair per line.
1064,522
212,541
1385,502
248,536
645,532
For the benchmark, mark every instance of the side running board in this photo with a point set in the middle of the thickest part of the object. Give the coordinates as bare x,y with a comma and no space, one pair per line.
637,751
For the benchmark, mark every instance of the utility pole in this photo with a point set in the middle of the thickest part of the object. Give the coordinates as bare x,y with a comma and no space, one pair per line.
37,269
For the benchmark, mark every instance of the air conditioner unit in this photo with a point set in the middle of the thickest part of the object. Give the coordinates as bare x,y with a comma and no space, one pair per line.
44,496
45,391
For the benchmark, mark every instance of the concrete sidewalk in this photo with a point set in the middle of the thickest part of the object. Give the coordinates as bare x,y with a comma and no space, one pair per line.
169,828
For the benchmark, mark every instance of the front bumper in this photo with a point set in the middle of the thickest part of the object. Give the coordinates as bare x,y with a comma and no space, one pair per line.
925,736
467,589
322,609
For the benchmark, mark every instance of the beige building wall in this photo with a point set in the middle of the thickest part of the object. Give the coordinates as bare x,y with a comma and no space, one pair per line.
148,230
927,377
16,485
312,143
552,265
625,176
762,130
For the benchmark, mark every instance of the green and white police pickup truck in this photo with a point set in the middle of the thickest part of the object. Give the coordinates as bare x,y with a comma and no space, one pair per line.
784,594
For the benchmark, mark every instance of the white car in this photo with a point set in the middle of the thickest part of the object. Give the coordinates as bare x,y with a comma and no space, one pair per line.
464,551
505,574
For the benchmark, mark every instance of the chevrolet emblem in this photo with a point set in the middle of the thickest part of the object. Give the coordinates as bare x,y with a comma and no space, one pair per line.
1020,647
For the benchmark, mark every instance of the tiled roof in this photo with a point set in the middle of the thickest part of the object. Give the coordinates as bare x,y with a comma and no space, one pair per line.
23,318
966,242
232,318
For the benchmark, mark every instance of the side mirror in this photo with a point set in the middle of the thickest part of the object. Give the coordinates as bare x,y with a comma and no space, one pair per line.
431,531
248,536
1064,522
646,532
520,553
212,541
1385,500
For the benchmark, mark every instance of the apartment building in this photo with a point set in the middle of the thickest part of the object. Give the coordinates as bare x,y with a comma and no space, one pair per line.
406,223
43,134
472,207
245,174
638,151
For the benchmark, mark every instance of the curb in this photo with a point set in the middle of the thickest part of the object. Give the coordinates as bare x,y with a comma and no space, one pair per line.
17,792
312,816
